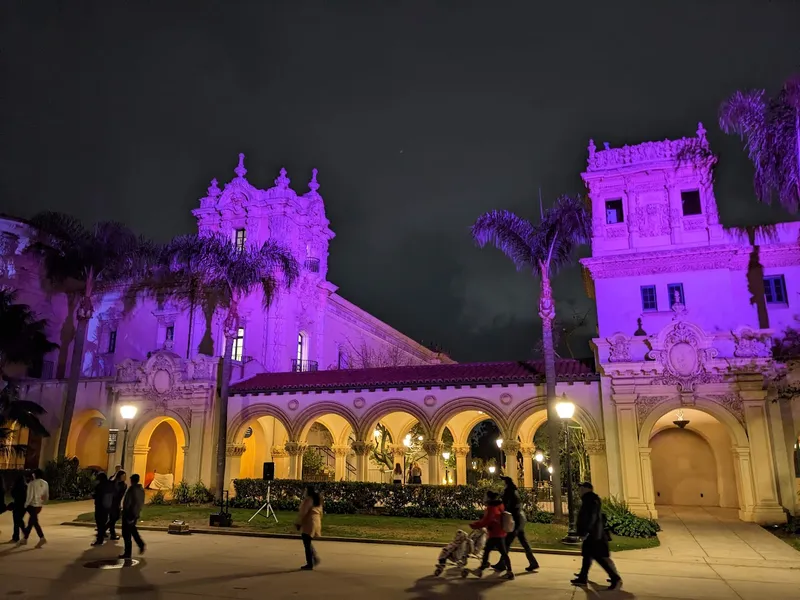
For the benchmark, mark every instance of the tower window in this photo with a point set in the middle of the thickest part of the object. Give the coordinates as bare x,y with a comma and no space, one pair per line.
112,342
775,289
240,239
690,200
614,211
675,293
302,350
170,334
344,362
649,302
238,345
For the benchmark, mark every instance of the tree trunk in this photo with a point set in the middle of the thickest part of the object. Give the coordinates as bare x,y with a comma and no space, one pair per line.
231,323
547,314
83,314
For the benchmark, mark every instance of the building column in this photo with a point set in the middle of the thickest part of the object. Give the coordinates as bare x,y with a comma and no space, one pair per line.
461,451
193,457
510,449
138,461
767,509
433,449
233,463
528,450
744,482
280,457
598,466
295,450
630,458
647,480
340,466
398,453
362,451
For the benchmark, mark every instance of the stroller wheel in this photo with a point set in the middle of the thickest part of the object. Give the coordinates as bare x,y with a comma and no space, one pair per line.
438,571
464,573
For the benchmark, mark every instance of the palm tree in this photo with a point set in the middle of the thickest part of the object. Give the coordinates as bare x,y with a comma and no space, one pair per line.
23,343
227,274
83,262
542,250
770,128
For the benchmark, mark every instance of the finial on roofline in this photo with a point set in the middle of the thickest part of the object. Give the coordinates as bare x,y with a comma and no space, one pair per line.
213,189
606,146
592,148
313,185
240,170
701,133
282,181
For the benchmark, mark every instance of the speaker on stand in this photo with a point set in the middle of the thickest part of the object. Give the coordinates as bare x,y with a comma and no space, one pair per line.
268,476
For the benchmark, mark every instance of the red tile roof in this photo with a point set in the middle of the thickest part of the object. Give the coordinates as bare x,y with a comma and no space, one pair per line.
415,376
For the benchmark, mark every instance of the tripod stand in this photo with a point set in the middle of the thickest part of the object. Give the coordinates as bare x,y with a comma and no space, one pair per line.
268,507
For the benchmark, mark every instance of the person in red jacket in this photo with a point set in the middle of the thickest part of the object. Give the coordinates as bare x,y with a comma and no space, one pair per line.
493,522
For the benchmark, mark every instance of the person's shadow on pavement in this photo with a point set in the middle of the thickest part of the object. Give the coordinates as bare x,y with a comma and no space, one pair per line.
595,591
469,588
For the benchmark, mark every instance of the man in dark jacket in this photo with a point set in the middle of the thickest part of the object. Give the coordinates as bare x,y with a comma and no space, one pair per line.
19,493
513,504
103,499
595,538
120,487
132,505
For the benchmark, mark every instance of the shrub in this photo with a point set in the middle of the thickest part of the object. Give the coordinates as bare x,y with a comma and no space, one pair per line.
313,461
68,481
621,521
200,494
158,499
419,501
182,493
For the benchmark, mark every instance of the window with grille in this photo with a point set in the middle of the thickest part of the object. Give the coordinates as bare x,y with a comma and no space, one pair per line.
240,238
238,345
649,302
775,289
675,293
112,342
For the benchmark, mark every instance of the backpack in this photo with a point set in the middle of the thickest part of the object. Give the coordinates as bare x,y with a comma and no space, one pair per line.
507,521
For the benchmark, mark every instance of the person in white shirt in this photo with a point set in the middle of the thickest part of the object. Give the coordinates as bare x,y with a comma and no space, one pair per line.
38,495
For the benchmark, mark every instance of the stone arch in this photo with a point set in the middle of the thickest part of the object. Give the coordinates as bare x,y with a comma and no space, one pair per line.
142,436
735,428
306,418
531,414
460,405
237,424
88,439
386,407
338,426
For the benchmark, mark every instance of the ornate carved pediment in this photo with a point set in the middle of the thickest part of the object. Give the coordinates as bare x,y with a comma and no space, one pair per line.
683,349
751,343
732,402
645,405
619,349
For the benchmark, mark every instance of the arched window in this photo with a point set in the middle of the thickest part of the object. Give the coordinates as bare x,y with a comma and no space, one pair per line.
302,347
238,345
343,361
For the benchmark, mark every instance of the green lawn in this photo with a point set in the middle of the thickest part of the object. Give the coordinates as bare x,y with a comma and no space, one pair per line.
364,527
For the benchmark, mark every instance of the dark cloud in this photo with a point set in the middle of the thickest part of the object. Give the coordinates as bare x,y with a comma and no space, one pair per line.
419,115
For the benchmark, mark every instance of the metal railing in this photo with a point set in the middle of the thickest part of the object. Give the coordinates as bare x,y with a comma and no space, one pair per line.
304,366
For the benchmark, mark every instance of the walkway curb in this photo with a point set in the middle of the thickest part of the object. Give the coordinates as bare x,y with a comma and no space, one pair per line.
286,536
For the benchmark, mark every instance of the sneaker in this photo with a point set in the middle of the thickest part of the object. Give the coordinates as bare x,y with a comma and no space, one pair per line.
616,584
579,581
41,543
307,568
23,542
142,548
532,567
114,537
124,556
510,576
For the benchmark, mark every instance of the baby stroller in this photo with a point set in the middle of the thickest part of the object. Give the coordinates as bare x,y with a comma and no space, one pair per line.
464,546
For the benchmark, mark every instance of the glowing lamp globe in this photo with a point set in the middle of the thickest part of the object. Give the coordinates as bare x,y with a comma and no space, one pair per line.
377,433
539,457
565,409
446,455
491,470
499,442
128,412
550,470
407,442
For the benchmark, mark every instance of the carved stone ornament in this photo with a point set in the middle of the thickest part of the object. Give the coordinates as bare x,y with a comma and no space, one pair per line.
653,219
733,257
506,399
235,450
510,448
165,377
362,448
683,349
645,405
595,447
751,344
672,150
293,404
432,447
732,403
461,450
619,349
359,402
617,231
430,401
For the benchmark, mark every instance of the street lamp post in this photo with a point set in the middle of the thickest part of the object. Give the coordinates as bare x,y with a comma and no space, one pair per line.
500,449
539,458
566,410
128,413
446,457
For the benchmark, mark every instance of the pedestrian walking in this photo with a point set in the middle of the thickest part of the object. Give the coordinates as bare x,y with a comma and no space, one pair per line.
132,505
513,505
492,521
19,494
397,474
309,523
38,493
103,500
591,528
119,487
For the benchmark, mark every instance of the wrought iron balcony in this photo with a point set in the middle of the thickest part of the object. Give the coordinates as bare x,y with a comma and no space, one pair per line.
312,264
304,366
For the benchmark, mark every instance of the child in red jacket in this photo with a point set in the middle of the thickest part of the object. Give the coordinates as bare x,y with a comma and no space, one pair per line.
493,522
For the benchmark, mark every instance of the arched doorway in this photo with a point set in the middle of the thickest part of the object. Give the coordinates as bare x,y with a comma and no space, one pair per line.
327,456
692,461
158,453
88,440
259,440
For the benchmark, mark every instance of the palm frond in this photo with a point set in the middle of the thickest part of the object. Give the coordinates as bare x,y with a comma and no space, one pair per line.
512,235
565,226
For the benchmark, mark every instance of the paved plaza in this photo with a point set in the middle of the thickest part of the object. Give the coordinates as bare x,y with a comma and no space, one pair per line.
215,566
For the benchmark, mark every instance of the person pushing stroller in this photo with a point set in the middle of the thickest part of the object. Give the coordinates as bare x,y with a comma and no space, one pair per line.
493,520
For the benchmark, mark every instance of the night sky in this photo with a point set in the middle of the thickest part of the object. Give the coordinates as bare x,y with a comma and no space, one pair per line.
419,116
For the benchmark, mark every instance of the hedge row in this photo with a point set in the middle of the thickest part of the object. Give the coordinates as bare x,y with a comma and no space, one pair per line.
421,501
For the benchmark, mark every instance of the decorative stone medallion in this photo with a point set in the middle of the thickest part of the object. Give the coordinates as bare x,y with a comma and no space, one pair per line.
430,401
293,404
359,402
162,382
506,399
